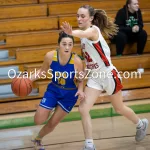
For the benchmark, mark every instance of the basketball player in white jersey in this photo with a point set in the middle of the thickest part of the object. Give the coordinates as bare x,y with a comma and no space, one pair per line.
97,56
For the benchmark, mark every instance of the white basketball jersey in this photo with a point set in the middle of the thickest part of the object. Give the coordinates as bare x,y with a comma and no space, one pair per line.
96,53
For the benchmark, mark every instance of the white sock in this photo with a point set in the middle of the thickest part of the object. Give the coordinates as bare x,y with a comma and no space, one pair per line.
89,143
139,124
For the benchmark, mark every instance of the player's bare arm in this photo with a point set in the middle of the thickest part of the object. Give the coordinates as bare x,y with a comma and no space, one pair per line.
45,66
90,33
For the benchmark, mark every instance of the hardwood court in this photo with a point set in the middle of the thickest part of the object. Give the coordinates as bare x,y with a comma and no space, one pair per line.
116,133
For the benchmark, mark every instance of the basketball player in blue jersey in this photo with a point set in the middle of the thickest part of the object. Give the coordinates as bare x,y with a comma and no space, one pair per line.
62,93
97,57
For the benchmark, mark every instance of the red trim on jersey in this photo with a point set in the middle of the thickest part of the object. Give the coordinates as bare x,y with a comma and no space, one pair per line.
118,85
99,49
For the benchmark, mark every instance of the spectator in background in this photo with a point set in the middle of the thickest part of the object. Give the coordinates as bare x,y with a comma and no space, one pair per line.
129,20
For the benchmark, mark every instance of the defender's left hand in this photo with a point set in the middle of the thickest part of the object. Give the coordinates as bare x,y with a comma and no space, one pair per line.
81,95
67,28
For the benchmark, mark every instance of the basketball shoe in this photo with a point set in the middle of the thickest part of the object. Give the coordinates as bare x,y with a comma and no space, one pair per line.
89,148
38,144
141,132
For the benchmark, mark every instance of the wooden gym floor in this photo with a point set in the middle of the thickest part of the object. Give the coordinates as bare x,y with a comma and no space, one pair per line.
116,133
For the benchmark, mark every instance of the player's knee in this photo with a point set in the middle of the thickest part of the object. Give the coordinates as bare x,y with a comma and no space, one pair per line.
38,121
119,110
83,110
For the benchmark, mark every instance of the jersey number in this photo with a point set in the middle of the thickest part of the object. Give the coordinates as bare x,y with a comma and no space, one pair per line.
87,56
61,81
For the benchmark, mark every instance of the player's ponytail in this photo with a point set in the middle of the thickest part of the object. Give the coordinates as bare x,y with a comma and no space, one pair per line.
101,20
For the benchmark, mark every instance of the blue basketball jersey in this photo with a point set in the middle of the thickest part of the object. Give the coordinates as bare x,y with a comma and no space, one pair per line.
61,91
63,75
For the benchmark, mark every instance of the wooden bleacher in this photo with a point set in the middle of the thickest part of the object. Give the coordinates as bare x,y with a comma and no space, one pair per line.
35,10
36,54
22,11
30,29
131,61
134,82
29,38
71,18
72,7
34,38
28,24
17,2
52,1
132,48
27,105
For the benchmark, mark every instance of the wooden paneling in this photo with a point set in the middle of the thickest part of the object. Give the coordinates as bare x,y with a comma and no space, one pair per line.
31,105
15,2
122,63
54,1
71,18
72,7
23,11
32,39
131,62
28,24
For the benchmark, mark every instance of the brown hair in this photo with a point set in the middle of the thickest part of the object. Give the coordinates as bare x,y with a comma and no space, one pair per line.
102,21
62,35
128,2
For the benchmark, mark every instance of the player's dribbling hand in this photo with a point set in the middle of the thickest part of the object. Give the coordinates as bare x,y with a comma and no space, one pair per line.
67,28
81,95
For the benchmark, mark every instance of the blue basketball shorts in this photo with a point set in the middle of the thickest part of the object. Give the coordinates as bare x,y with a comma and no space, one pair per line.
57,96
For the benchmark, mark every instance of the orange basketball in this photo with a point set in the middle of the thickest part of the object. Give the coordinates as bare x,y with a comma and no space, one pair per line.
21,86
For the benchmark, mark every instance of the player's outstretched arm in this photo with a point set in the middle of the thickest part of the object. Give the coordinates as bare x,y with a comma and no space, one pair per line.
88,33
